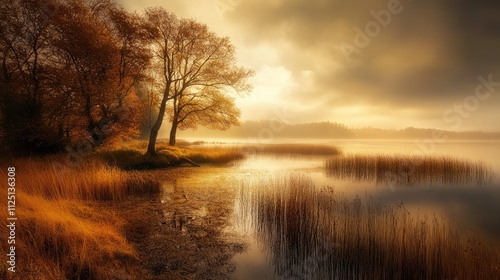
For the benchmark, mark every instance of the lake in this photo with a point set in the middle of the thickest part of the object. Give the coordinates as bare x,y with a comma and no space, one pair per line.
261,189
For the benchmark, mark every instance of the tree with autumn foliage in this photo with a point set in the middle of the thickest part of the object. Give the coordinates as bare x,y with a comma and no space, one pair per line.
69,72
104,51
205,107
72,69
199,75
26,32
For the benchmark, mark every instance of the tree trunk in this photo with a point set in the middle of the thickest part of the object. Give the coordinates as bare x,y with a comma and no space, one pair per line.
152,142
154,131
156,127
91,126
173,132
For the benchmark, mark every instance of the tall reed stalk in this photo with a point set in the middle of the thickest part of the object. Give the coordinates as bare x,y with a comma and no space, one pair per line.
315,233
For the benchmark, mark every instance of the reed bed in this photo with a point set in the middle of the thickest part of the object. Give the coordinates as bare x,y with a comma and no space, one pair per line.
213,154
319,234
410,170
67,228
294,149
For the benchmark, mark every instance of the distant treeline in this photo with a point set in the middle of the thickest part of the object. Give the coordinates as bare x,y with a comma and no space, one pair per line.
423,133
332,130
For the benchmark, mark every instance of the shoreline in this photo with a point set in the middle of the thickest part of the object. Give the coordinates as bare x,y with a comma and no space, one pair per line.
182,233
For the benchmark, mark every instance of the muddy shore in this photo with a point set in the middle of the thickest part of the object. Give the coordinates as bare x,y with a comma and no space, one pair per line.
182,233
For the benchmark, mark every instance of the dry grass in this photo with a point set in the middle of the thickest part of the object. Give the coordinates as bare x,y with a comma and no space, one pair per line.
67,228
410,170
89,180
213,154
313,234
131,155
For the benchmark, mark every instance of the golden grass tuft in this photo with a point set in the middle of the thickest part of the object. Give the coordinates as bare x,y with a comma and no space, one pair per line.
67,228
213,154
90,179
410,170
69,238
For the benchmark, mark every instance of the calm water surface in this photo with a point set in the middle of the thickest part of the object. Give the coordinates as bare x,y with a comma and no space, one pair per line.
474,209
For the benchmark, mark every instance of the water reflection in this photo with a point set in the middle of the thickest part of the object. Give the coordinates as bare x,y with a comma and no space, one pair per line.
471,209
308,231
313,233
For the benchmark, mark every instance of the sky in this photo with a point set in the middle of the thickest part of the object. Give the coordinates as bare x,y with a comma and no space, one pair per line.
378,63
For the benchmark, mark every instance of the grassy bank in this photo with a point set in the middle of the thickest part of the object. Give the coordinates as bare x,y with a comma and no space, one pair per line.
68,228
131,155
410,170
319,234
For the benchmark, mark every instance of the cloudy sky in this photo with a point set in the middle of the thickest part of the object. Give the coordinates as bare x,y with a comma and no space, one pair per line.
380,63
